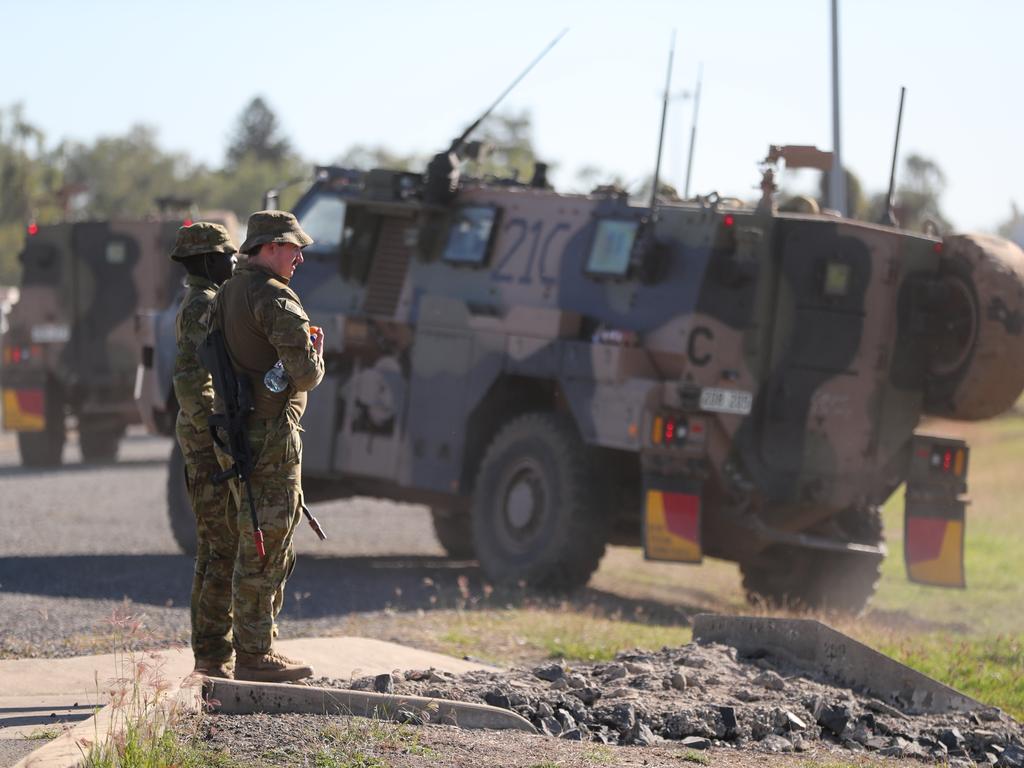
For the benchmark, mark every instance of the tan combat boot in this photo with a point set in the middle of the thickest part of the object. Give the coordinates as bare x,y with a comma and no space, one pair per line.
211,668
270,667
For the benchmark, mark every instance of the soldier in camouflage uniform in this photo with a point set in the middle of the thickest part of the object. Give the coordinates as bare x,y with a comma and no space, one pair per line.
207,253
263,321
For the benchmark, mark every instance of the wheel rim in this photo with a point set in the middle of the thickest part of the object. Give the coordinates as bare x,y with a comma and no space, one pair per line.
524,503
952,346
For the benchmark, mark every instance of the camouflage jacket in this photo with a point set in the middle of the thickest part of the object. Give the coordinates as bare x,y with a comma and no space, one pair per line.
193,385
263,321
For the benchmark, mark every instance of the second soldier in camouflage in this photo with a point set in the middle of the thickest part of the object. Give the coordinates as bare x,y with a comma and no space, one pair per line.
207,253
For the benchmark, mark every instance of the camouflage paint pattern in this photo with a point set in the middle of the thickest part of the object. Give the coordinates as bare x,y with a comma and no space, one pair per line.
83,285
831,338
216,530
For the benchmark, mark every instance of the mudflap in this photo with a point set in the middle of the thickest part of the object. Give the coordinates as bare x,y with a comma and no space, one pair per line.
24,409
934,520
672,519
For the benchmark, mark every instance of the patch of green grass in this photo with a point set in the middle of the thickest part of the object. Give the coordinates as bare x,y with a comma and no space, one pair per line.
690,756
165,751
349,738
45,733
599,753
575,636
322,759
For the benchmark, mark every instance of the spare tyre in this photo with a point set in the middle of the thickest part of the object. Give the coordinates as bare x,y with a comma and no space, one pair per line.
975,366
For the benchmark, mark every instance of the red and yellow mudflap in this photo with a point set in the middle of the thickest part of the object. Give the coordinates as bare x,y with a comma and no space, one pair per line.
24,410
933,545
672,523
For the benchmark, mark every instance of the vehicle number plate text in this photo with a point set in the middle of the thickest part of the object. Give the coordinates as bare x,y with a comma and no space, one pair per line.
726,400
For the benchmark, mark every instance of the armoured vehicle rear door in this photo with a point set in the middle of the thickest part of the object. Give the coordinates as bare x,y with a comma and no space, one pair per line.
827,364
104,296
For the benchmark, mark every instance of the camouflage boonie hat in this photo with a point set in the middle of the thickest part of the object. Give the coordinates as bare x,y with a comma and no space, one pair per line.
199,238
274,227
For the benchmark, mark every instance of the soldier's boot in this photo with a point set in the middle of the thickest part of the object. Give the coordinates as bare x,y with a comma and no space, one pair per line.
271,667
211,668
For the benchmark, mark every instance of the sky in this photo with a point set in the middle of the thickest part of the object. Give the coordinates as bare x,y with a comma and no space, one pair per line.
412,74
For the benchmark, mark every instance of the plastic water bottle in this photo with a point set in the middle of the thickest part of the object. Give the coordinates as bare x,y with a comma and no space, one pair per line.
276,380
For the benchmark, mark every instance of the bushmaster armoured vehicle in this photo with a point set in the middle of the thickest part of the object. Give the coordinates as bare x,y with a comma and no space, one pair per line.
550,373
71,348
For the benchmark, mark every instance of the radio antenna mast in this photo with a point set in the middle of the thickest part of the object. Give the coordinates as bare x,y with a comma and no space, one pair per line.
889,217
661,133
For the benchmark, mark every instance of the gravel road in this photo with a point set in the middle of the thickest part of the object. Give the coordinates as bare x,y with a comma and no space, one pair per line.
81,542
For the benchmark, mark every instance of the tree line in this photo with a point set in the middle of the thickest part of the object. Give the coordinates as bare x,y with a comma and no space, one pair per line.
122,176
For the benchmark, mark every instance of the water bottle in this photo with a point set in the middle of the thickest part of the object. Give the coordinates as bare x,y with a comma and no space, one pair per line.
276,380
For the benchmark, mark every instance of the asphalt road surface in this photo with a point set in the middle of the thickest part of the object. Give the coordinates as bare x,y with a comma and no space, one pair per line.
81,543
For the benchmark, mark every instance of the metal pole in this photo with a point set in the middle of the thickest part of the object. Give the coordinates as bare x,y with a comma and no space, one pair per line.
693,132
661,134
837,180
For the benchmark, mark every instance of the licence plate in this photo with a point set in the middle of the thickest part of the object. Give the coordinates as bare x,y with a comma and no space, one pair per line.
726,400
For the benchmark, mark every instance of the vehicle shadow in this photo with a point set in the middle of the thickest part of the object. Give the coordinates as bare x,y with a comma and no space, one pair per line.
321,587
13,470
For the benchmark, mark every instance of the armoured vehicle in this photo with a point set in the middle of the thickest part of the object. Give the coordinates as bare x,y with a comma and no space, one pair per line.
553,372
71,348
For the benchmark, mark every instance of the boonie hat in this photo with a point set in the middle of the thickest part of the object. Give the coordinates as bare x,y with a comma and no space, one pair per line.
274,227
199,238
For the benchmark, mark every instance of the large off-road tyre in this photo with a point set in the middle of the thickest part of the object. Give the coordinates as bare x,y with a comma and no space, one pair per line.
41,449
538,516
179,508
817,580
976,350
454,531
45,448
99,444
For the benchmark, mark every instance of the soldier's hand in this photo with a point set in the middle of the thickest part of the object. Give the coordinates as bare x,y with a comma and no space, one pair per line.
318,339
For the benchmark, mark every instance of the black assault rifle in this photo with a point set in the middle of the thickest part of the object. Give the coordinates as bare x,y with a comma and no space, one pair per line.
235,392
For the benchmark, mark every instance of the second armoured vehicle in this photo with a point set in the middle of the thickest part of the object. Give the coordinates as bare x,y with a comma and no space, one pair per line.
550,373
71,348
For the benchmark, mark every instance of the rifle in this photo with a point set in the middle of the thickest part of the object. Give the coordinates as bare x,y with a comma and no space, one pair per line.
236,394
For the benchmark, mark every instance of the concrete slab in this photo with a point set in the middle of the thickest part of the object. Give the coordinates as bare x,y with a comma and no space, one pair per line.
819,648
234,697
31,689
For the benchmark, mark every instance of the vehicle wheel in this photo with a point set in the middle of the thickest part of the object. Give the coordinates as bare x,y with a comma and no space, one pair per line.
41,449
179,508
455,533
536,514
807,579
45,448
99,444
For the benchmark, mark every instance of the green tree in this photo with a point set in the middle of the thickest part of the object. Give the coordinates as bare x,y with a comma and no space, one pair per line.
257,135
29,180
124,175
1013,227
508,139
918,192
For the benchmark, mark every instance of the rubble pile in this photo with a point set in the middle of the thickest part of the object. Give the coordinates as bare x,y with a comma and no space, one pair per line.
706,696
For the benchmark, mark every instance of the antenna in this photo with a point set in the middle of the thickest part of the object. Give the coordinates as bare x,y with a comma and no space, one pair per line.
889,217
693,132
457,144
661,134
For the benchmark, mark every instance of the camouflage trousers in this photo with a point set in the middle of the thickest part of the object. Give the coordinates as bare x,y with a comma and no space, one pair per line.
216,544
258,583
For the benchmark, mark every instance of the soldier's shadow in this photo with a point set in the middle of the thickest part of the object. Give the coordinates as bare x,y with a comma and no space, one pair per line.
320,588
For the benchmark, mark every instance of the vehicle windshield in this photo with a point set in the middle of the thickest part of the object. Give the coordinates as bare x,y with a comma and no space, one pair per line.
322,218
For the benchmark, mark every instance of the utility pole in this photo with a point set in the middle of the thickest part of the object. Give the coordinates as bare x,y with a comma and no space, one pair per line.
837,179
693,132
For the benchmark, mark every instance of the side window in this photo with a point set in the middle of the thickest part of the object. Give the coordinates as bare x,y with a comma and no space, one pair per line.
323,220
611,247
471,235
